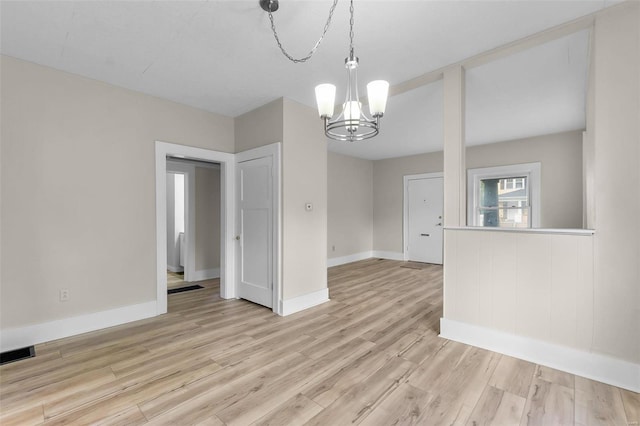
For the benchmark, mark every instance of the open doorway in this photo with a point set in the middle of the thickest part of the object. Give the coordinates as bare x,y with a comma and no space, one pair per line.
195,267
176,221
193,203
230,239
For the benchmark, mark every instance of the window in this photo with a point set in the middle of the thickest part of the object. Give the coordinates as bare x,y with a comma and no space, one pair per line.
512,183
505,196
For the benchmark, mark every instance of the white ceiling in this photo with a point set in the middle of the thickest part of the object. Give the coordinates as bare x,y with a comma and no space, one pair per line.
220,55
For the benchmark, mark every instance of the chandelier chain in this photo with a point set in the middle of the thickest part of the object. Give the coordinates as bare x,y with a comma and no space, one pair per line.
315,47
351,29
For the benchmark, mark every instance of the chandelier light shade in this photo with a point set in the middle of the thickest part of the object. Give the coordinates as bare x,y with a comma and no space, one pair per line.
326,99
352,124
377,92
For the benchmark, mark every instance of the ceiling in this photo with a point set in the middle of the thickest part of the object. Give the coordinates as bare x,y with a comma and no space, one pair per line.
220,56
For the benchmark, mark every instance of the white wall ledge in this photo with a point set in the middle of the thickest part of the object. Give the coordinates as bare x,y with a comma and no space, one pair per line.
572,231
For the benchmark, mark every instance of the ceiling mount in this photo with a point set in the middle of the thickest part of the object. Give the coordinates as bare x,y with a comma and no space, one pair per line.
269,5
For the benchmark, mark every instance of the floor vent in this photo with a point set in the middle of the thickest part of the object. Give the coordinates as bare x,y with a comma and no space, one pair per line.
17,355
183,289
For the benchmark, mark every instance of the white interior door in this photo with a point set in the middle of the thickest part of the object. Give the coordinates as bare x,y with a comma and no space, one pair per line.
255,230
425,210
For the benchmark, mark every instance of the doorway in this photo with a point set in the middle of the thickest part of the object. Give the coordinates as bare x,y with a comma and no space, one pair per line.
423,218
228,234
180,216
176,227
193,221
226,161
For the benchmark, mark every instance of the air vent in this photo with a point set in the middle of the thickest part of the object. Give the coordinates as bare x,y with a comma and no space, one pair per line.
17,355
183,289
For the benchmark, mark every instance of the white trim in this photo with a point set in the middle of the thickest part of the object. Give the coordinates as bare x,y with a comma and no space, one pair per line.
530,170
274,151
206,274
335,261
390,255
15,338
175,269
300,303
405,209
227,208
572,231
594,366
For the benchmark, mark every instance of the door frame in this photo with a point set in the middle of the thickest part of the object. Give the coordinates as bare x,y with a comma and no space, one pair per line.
274,151
405,208
227,217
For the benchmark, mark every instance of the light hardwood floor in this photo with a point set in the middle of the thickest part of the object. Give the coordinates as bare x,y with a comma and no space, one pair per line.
175,280
370,356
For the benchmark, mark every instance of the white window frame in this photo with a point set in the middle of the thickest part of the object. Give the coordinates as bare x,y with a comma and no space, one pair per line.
530,170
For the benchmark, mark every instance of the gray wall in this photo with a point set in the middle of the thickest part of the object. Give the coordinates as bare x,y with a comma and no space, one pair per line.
304,179
388,193
561,193
259,127
561,175
78,190
304,161
207,218
350,205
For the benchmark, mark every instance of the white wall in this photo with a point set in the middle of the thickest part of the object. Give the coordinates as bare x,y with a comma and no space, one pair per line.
350,206
577,296
616,131
533,285
69,221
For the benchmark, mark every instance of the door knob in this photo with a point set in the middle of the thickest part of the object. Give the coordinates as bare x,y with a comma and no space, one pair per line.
237,237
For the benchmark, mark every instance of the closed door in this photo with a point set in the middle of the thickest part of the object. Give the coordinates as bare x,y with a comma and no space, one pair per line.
255,230
426,199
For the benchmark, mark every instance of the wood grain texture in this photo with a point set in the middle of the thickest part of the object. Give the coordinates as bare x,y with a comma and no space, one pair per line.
496,406
513,375
631,401
549,404
598,404
370,356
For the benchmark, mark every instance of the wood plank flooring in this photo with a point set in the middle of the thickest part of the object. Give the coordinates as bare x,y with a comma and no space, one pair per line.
176,280
370,356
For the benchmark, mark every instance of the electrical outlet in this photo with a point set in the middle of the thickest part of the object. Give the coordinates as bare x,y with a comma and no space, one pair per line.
64,294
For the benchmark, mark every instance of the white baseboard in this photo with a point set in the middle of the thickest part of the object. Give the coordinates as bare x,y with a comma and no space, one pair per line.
602,368
16,338
335,261
206,274
391,255
175,268
300,303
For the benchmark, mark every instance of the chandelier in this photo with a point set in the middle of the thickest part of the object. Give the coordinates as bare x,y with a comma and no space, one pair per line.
352,124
